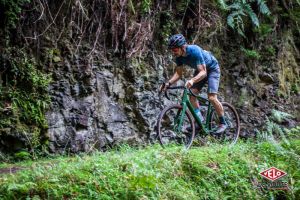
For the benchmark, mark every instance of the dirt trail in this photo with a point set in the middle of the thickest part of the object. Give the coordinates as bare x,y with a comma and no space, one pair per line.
10,170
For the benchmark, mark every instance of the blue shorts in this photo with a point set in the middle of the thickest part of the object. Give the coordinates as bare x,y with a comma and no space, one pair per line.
212,78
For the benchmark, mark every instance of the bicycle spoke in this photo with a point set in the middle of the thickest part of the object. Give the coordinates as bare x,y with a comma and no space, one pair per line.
231,118
171,131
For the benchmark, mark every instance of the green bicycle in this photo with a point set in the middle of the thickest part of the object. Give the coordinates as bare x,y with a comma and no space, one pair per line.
175,123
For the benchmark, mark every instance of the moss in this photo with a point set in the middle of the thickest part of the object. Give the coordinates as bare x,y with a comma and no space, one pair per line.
289,72
24,100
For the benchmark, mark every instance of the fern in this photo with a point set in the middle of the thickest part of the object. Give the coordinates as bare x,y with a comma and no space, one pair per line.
223,4
263,8
251,14
241,9
279,116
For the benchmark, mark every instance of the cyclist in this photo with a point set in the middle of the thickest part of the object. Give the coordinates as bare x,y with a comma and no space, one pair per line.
207,70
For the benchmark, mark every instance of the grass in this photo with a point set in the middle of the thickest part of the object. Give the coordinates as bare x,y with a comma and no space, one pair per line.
212,172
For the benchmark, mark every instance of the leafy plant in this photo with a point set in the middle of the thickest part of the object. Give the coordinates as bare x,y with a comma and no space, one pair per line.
240,9
273,130
263,30
11,11
279,116
146,4
252,54
166,25
183,5
24,99
211,172
271,50
22,155
29,96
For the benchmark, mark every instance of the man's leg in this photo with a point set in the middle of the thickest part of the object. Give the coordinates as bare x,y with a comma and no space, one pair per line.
196,88
220,111
216,103
196,106
213,86
193,99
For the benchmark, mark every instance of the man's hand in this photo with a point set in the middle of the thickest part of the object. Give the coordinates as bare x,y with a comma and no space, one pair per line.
189,84
164,86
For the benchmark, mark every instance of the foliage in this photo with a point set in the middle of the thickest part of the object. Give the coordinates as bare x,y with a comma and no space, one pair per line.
279,116
252,54
22,155
273,131
24,98
11,11
241,9
271,51
264,30
166,25
182,5
27,87
146,5
212,172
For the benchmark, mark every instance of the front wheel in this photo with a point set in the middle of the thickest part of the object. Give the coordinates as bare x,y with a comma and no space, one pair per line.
231,134
170,130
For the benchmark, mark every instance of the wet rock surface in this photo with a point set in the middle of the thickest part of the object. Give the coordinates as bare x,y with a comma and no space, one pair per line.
112,103
103,106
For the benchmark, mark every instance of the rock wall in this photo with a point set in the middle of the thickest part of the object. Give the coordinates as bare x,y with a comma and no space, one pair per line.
108,58
95,107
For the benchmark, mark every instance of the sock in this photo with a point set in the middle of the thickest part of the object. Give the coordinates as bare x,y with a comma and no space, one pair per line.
222,119
197,111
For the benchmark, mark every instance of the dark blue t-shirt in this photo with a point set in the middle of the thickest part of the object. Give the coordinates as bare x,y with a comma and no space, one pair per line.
195,55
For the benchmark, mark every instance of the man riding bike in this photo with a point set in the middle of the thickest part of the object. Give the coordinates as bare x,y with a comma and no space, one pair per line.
207,70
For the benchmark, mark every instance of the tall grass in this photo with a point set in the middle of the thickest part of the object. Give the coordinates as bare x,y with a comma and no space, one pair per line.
214,172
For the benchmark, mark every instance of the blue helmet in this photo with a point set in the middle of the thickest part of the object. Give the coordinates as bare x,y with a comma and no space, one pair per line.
177,40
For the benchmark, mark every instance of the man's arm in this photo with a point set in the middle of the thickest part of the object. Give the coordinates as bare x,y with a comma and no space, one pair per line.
177,75
201,75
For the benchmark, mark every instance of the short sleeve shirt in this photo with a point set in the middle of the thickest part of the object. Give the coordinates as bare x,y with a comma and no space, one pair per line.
195,56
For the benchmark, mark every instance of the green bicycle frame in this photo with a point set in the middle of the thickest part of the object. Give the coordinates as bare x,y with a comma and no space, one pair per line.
185,103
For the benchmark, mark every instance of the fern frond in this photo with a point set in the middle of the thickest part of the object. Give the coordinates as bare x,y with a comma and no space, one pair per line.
235,6
252,15
263,8
279,116
242,8
240,26
232,18
223,4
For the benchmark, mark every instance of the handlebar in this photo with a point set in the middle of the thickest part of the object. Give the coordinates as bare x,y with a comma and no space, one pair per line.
178,87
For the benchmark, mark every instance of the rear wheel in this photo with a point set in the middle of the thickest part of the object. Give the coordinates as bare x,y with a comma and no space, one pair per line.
169,129
231,134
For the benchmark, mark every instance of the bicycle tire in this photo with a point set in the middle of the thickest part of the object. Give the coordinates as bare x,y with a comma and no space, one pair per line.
167,118
232,120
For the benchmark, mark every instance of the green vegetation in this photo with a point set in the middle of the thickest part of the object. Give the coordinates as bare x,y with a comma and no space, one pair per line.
146,5
11,11
279,116
252,54
212,172
264,30
240,10
24,98
273,129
